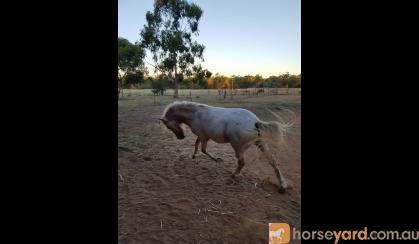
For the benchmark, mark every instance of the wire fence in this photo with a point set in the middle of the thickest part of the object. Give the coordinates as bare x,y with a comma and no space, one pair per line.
227,93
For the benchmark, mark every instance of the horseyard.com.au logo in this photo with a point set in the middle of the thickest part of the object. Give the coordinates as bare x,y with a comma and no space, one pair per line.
279,233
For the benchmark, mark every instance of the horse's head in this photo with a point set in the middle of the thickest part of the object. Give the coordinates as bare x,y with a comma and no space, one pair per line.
178,114
175,127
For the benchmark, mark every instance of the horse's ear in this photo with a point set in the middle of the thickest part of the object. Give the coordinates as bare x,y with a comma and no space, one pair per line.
164,121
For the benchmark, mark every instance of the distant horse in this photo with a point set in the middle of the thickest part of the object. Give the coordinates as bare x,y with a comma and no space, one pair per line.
239,127
260,91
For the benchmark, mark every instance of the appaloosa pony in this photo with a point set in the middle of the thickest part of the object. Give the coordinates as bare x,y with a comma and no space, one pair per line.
239,127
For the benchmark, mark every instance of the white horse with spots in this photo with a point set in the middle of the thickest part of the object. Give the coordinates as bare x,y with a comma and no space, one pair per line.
239,127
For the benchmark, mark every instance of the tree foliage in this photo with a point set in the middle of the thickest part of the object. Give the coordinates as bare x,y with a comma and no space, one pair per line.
169,34
159,84
130,63
248,81
217,81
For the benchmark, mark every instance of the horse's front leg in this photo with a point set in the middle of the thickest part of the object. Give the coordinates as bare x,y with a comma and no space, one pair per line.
204,150
196,146
240,164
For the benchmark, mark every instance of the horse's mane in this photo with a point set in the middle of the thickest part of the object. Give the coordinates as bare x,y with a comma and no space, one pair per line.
177,105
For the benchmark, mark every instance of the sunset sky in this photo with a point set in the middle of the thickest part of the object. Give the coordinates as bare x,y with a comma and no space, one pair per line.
241,36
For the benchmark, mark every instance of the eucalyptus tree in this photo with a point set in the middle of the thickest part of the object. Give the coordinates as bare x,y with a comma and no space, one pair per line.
169,35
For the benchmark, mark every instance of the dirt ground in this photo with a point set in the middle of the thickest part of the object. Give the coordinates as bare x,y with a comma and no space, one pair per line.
165,196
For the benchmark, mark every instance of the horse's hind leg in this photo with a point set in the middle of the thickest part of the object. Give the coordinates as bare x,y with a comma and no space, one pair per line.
204,150
264,148
196,146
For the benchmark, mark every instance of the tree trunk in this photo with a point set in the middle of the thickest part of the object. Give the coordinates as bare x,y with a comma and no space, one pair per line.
176,84
120,91
121,85
175,87
190,90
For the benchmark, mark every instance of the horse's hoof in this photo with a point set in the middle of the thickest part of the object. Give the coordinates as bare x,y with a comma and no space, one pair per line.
219,160
193,156
281,189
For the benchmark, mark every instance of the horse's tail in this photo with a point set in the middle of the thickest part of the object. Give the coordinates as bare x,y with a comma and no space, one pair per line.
274,131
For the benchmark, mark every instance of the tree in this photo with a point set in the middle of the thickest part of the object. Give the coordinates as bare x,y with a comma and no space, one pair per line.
157,87
200,76
130,63
133,78
258,80
168,35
